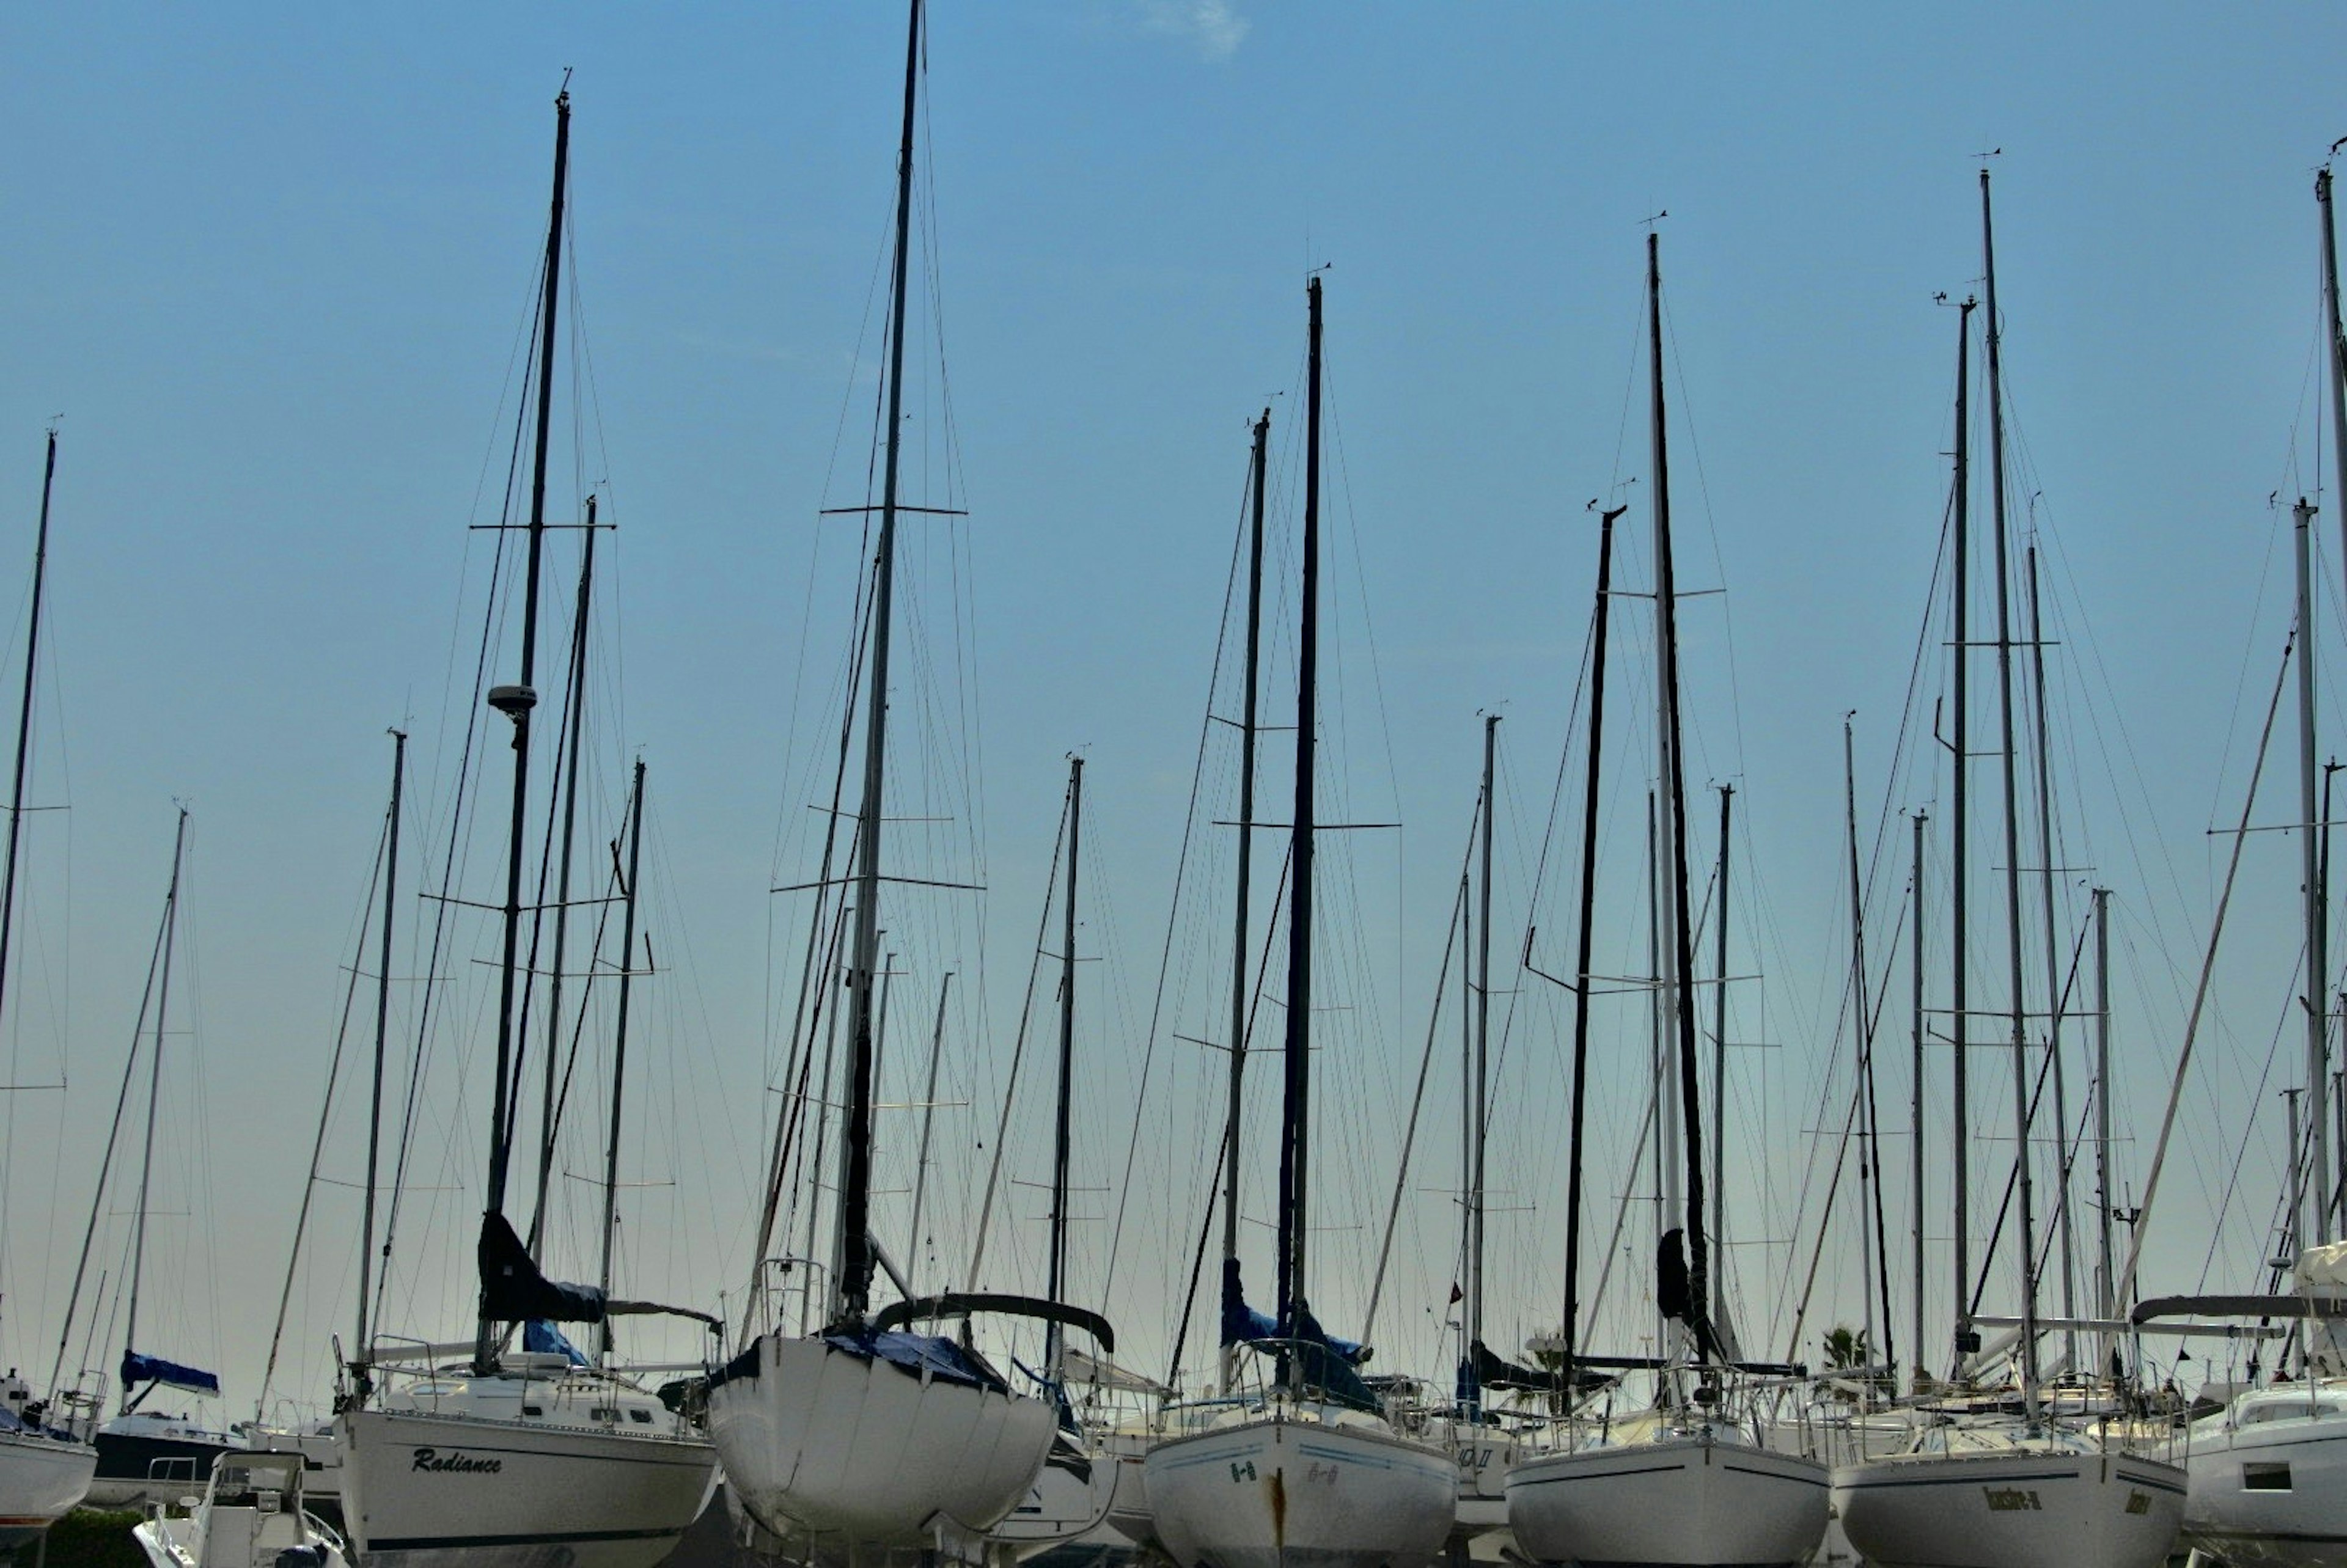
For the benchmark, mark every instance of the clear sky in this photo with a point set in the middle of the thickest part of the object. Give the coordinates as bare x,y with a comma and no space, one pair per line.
273,268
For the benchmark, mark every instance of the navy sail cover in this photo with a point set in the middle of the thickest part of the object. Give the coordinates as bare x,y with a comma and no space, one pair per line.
1326,1363
513,1289
137,1370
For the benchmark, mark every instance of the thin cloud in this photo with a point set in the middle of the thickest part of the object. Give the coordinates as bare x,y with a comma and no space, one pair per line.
1214,27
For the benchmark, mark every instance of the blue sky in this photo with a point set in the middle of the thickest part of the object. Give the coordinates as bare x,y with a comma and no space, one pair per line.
272,267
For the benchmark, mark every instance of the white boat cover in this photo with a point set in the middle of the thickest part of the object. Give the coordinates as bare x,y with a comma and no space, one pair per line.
2323,1267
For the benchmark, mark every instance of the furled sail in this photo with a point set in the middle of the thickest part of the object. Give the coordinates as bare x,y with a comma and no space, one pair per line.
137,1370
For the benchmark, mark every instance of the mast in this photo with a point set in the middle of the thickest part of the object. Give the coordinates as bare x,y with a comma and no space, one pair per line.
1719,1064
25,719
154,1092
1915,1083
619,1038
1874,1248
851,1280
1588,931
1239,992
1959,849
929,1116
1678,1019
578,717
2106,1304
2069,1245
2337,345
516,702
382,1039
1055,1354
1476,1089
1295,1210
2317,968
2028,1231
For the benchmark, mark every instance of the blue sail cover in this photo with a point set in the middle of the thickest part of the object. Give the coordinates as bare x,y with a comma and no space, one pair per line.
137,1370
916,1355
540,1337
1326,1363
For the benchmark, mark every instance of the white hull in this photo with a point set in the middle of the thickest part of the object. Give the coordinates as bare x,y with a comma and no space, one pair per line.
2011,1509
833,1452
1485,1455
1069,1502
1282,1493
1129,1512
422,1490
41,1480
1690,1502
2269,1491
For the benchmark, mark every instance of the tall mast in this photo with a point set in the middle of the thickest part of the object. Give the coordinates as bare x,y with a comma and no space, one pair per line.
852,1281
1915,1086
516,700
928,1117
2317,968
1295,1210
1477,1088
25,719
1678,1019
1589,815
1959,846
1876,1250
2020,1001
381,1038
154,1092
2069,1244
620,1040
2337,345
578,725
2107,1303
1719,1061
1246,864
1055,1354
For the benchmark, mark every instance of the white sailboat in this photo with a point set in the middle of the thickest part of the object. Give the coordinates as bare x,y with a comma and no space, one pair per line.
1311,1473
2268,1473
470,1455
44,1470
1688,1483
2000,1490
45,1465
861,1440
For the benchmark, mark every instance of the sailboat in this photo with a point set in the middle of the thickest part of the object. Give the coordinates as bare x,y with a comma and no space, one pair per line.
865,1440
1691,1483
1070,1499
506,1459
2267,1475
1311,1472
145,1455
1994,1491
45,1465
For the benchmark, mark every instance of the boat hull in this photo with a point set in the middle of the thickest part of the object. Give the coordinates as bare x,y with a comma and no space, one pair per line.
137,1468
41,1480
2014,1509
834,1453
2274,1493
1694,1502
1069,1503
422,1490
1279,1493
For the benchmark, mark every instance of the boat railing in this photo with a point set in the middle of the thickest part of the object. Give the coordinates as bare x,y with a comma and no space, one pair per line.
782,1282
